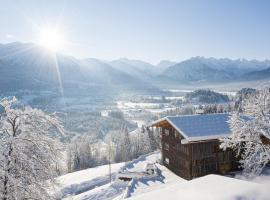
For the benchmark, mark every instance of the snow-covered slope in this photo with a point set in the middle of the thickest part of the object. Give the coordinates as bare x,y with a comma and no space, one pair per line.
211,187
79,182
93,184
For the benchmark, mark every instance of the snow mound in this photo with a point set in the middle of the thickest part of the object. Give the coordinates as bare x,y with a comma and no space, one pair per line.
210,187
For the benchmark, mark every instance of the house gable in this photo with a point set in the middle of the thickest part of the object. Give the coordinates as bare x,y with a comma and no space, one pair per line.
190,156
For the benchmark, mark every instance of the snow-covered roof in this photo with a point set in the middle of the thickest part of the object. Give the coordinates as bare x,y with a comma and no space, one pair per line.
200,127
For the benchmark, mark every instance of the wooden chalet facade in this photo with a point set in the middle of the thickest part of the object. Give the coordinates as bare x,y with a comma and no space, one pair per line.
190,145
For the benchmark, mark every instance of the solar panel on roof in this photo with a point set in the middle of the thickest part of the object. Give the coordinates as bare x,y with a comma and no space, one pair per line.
202,125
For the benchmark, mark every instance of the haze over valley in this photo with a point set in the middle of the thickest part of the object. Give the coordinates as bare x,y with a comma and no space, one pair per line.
70,86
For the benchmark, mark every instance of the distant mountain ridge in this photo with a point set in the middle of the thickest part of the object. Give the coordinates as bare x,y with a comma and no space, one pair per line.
200,69
164,64
258,74
29,66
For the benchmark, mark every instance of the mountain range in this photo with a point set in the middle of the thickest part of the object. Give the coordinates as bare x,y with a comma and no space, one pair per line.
200,69
29,66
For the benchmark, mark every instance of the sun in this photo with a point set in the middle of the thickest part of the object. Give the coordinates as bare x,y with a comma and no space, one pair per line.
51,38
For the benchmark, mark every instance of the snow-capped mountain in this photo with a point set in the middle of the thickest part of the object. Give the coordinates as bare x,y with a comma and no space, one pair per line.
164,64
29,66
141,71
258,74
200,69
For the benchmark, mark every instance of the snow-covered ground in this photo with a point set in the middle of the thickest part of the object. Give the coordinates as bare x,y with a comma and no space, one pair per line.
136,107
264,178
75,183
211,187
144,185
93,184
141,113
130,105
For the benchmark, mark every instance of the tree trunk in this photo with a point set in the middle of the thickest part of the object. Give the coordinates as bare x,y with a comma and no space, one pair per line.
5,188
10,150
7,173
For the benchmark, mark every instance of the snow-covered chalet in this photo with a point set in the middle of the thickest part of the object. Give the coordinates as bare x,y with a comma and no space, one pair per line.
190,145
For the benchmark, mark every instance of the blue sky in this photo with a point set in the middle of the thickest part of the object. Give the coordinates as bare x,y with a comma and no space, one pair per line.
150,30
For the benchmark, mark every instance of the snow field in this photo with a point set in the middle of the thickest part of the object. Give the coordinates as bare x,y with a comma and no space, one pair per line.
78,182
93,184
210,187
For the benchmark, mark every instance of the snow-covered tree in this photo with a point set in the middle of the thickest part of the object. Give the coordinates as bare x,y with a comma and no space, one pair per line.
111,141
251,133
125,144
143,141
83,152
151,136
240,97
122,145
27,152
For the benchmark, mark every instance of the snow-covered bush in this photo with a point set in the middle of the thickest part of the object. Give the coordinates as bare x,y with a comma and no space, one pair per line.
251,133
28,155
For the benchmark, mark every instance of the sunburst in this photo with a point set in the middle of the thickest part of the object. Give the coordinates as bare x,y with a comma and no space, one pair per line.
51,38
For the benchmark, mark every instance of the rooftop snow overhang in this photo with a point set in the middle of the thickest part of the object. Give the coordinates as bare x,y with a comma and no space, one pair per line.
158,122
164,120
203,138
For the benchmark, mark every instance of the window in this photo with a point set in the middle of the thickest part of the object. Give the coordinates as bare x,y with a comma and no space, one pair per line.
216,148
166,146
167,160
175,134
167,132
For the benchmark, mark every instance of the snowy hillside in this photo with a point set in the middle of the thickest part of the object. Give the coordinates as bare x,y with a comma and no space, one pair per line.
85,180
210,187
94,183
